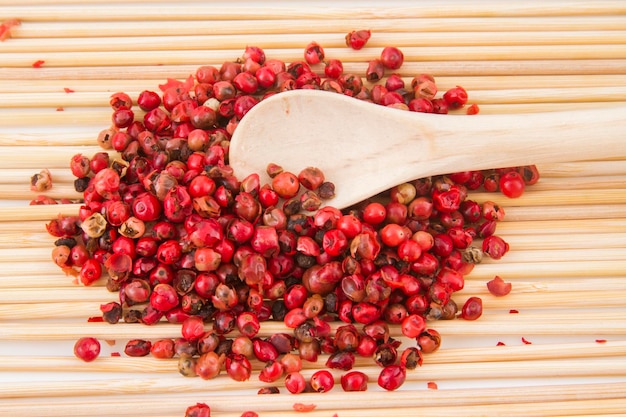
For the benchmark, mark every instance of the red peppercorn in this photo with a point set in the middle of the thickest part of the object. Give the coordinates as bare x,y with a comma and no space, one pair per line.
413,325
334,242
322,381
272,371
87,348
198,410
495,247
512,184
374,213
266,77
146,207
455,97
333,68
354,381
137,347
440,106
90,272
530,173
291,362
286,184
122,118
392,57
392,377
209,365
357,39
313,53
248,324
429,341
193,328
264,350
162,349
375,70
295,382
238,367
393,234
472,309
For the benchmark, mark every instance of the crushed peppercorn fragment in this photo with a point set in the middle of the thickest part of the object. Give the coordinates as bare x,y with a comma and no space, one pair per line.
498,287
303,408
6,26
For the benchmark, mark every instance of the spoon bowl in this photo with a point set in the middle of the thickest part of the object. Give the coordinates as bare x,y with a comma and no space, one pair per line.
364,148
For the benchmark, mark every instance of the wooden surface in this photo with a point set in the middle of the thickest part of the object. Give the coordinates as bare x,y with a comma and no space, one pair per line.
567,233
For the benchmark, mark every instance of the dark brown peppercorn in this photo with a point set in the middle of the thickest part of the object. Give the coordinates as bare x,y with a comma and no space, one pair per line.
81,184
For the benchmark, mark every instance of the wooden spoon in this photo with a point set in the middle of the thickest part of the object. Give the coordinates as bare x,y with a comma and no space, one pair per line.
365,148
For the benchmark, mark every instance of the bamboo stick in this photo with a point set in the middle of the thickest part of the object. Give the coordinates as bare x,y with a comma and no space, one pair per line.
585,190
492,97
44,212
40,157
21,176
603,210
608,407
572,226
71,116
584,408
610,250
16,231
428,372
57,117
160,43
611,323
24,137
492,354
409,69
567,269
411,54
538,198
475,284
608,210
22,191
29,234
581,174
528,248
43,29
15,185
556,242
25,239
520,301
33,234
235,11
582,168
548,270
471,83
525,293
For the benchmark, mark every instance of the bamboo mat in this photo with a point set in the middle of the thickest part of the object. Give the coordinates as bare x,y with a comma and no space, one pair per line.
564,324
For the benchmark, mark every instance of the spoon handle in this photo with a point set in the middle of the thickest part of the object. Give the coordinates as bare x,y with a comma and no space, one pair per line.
492,141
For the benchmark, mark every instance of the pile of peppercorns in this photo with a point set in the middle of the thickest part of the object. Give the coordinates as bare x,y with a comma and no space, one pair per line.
181,239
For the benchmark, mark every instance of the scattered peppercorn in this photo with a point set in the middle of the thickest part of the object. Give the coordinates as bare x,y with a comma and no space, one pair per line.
41,181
